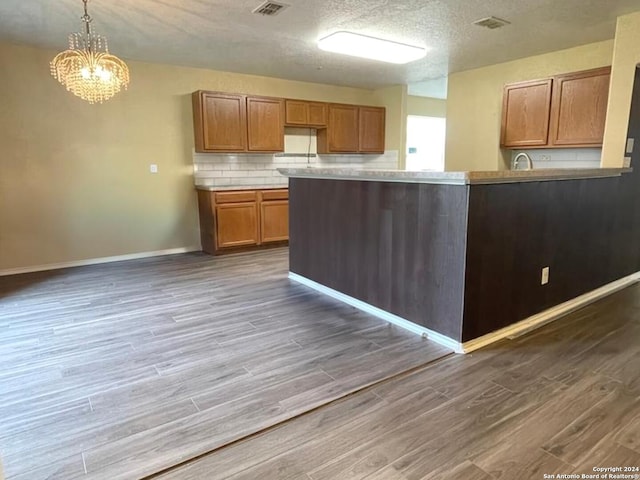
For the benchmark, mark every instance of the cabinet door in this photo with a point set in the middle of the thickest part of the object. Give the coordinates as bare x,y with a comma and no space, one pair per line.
296,112
305,114
525,114
342,129
236,224
265,124
222,122
579,108
274,221
371,126
317,114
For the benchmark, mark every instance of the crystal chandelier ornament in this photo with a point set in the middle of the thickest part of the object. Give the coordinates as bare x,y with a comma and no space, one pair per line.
87,69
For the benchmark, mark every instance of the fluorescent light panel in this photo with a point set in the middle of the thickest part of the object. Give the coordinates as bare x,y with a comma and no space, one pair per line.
373,48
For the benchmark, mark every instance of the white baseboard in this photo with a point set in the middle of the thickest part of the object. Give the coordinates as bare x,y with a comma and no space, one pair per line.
95,261
378,312
549,315
512,331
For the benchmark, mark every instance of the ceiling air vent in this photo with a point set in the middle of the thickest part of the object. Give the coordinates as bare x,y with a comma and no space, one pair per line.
270,8
491,22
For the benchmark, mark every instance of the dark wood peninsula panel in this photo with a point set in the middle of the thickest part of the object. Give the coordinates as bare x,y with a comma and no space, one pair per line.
465,260
575,227
397,246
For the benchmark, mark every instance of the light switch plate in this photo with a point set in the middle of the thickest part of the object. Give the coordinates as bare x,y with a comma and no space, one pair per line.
627,162
630,142
153,168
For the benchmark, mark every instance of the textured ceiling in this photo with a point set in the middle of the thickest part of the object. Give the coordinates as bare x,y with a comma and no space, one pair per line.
225,35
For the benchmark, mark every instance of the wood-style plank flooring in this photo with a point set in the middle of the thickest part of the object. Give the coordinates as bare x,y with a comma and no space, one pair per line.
122,370
561,400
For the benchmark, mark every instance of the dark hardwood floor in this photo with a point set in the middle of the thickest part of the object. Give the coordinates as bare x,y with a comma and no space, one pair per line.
560,400
121,370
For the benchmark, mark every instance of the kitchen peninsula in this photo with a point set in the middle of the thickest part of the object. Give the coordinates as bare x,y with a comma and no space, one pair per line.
459,256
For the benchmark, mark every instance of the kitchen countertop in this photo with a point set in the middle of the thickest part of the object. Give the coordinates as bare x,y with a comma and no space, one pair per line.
454,178
213,188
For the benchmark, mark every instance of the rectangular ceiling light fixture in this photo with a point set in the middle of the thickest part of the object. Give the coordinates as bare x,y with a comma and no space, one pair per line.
373,48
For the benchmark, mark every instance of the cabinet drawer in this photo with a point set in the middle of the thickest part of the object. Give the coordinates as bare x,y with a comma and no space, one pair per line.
275,194
234,197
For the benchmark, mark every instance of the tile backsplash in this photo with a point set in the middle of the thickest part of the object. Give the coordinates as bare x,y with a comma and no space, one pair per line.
562,157
223,170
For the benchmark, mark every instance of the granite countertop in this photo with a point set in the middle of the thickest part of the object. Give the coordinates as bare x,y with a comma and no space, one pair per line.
219,188
454,178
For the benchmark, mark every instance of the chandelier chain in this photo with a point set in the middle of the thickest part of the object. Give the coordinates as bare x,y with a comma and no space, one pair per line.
86,18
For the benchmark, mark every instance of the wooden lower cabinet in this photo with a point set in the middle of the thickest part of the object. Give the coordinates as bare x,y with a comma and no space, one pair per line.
274,221
230,220
236,225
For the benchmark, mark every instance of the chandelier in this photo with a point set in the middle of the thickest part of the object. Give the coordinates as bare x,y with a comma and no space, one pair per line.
87,69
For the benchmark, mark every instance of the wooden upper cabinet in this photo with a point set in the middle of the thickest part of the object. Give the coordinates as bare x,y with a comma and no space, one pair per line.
305,114
296,112
342,132
579,108
565,111
219,122
371,129
265,124
525,113
353,129
226,122
317,114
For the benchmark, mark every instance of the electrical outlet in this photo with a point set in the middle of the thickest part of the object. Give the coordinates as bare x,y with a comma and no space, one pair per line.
545,276
545,158
153,168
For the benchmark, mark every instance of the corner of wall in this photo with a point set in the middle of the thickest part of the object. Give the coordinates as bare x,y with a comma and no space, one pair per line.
626,55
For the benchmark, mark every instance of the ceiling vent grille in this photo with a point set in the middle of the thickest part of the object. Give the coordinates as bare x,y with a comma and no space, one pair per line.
270,8
491,22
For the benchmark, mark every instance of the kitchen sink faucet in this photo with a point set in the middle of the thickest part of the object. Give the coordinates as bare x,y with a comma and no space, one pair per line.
517,159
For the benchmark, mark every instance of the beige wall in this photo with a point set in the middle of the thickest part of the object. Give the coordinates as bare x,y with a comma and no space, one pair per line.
394,98
474,102
426,107
626,55
74,177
